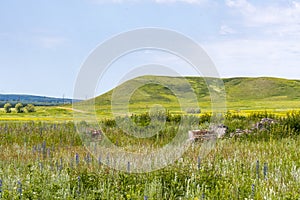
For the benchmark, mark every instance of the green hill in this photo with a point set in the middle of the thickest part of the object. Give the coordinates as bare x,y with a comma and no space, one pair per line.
264,88
241,93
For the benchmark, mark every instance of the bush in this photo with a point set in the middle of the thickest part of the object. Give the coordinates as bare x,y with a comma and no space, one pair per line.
19,108
30,108
7,108
292,120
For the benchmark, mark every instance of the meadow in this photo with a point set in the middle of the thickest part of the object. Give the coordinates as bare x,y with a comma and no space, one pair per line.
46,154
47,160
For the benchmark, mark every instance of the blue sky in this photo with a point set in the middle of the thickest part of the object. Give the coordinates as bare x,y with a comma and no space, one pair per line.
44,43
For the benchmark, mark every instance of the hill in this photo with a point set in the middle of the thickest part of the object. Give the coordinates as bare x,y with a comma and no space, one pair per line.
241,92
32,99
264,88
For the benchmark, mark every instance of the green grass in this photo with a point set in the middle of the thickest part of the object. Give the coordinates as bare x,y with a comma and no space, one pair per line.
243,95
38,161
43,113
264,88
38,150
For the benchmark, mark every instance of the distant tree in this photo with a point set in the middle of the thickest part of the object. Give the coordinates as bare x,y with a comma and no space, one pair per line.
7,107
30,108
19,108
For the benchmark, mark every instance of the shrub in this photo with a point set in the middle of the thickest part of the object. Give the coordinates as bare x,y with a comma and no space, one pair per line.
30,108
19,108
7,108
292,120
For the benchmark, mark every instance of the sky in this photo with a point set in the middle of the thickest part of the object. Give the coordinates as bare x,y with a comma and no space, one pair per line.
43,44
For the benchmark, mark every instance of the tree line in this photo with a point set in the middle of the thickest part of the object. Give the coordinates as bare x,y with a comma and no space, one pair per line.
19,108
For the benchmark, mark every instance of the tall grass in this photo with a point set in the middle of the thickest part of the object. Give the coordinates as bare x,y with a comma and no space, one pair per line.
49,161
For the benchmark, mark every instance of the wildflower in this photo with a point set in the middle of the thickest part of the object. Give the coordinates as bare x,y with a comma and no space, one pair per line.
265,170
77,158
20,189
253,190
128,167
0,187
257,168
199,162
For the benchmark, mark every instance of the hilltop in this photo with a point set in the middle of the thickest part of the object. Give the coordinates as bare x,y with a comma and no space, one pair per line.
264,88
241,92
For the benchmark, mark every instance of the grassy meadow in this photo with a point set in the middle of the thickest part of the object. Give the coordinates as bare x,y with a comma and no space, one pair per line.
44,157
47,160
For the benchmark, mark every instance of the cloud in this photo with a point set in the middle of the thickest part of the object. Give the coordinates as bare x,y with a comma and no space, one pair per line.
226,30
50,42
256,57
269,20
266,40
260,15
244,5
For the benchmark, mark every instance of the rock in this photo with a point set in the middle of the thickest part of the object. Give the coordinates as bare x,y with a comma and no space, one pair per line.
215,131
239,132
260,126
220,130
264,122
94,133
195,135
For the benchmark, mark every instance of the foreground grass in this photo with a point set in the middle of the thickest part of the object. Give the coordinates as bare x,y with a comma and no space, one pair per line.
233,170
41,160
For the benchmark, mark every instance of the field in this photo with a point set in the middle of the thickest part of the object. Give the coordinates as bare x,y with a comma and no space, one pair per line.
47,160
48,155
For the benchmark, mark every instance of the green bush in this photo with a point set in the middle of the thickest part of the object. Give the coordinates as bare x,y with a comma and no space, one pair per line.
19,108
292,120
30,108
7,108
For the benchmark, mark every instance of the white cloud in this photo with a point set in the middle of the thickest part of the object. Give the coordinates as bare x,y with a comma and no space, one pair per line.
244,5
269,20
256,57
226,30
267,43
51,41
260,15
277,15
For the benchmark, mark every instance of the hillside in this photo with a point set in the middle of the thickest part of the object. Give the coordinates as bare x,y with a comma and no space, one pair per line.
264,88
241,93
